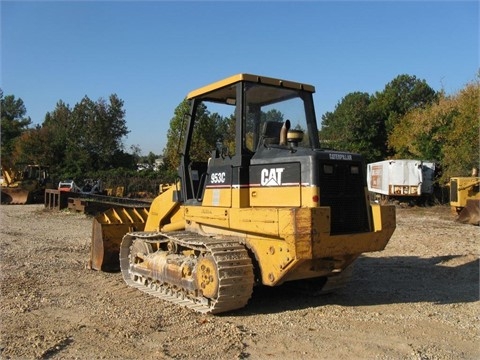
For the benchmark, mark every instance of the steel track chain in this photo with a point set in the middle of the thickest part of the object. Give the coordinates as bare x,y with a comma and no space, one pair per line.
235,271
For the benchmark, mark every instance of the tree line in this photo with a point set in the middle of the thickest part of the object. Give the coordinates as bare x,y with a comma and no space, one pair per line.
79,142
407,119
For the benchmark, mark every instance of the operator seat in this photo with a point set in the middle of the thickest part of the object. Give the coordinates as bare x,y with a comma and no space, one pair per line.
271,133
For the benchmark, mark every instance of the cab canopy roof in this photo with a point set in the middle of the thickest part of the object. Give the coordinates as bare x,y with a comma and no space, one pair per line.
251,78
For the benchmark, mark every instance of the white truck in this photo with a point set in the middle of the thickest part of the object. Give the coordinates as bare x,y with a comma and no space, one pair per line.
400,178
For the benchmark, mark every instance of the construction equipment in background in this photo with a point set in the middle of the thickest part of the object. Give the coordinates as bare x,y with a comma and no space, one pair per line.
89,186
118,191
402,180
68,186
465,198
263,206
91,198
24,184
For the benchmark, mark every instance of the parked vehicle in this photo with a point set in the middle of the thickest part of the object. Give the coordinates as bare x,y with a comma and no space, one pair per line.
24,183
465,198
269,206
404,179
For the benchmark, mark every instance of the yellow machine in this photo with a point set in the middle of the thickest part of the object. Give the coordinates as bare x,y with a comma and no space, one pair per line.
24,184
265,206
465,198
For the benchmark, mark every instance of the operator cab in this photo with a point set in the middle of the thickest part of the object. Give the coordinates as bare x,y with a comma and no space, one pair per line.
235,121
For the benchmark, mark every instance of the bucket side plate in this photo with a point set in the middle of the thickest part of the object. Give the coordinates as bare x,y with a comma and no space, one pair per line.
107,232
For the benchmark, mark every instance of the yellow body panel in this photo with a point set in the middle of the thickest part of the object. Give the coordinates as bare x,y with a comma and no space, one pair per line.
248,77
218,197
293,243
467,188
294,196
275,196
240,197
162,209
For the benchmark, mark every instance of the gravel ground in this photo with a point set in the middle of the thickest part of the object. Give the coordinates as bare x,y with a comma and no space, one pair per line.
418,299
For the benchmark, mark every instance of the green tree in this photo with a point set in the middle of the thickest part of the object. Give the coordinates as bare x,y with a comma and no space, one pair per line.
13,123
207,132
351,127
362,123
421,133
462,148
447,131
57,124
151,158
76,141
94,134
136,152
272,115
225,131
175,135
401,95
34,147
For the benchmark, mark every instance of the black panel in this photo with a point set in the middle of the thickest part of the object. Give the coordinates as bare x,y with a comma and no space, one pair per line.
280,174
219,175
454,190
342,189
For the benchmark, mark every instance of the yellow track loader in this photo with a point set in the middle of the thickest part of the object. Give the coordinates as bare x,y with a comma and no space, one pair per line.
24,184
465,198
261,206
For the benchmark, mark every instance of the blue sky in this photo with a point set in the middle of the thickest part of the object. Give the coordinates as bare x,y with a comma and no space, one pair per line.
152,53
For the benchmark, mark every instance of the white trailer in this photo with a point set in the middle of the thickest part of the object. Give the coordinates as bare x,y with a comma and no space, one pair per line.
401,178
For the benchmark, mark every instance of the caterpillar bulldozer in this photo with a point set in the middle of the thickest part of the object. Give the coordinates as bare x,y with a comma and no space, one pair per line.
263,205
465,198
24,183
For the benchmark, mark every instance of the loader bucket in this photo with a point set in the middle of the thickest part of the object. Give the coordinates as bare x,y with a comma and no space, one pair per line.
470,214
107,233
16,196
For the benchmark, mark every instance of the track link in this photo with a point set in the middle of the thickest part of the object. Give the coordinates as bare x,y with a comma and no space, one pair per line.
234,271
